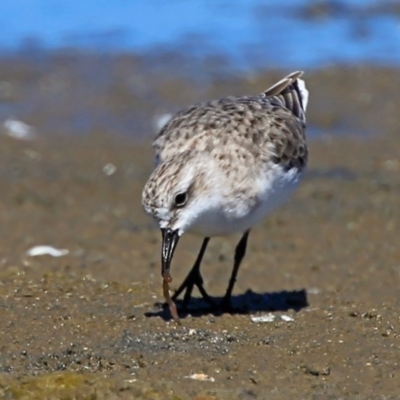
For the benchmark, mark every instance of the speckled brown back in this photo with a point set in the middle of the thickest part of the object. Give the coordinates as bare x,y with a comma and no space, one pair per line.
270,126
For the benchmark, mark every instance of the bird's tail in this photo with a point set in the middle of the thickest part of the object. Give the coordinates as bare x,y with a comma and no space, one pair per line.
291,92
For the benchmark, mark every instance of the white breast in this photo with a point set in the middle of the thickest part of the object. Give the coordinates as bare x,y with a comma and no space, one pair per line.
222,218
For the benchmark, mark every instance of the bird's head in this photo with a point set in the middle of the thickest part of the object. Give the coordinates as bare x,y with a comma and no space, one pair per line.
177,193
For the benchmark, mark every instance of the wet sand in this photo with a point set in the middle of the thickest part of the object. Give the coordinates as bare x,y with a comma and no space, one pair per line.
91,324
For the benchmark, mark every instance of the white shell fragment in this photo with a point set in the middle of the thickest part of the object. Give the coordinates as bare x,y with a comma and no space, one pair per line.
287,318
18,129
313,290
201,377
109,169
46,251
263,318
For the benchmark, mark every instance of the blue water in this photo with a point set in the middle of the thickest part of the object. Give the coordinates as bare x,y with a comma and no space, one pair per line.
250,33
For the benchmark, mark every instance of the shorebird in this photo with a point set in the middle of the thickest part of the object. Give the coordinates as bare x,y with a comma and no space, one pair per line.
221,167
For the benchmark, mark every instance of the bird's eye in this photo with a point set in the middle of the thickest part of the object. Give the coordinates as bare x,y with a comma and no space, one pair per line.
180,199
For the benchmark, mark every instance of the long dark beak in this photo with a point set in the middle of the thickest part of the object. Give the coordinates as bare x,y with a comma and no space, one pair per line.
170,239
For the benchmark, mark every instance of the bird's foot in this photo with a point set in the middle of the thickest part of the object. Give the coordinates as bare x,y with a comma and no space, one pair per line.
193,279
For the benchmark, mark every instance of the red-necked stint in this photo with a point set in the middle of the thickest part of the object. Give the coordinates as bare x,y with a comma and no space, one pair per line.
221,167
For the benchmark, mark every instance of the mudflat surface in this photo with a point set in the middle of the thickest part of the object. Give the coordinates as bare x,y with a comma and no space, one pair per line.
91,324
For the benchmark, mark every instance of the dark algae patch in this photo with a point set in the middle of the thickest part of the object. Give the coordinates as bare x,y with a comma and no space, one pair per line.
75,386
50,386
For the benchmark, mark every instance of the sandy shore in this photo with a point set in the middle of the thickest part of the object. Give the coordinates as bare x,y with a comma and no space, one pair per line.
91,323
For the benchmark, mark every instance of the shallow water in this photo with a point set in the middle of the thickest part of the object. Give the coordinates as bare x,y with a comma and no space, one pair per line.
250,34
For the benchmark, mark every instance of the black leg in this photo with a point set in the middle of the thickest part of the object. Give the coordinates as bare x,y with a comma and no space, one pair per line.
194,278
240,252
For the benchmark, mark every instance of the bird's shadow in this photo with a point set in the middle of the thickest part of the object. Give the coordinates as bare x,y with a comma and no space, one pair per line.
248,303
